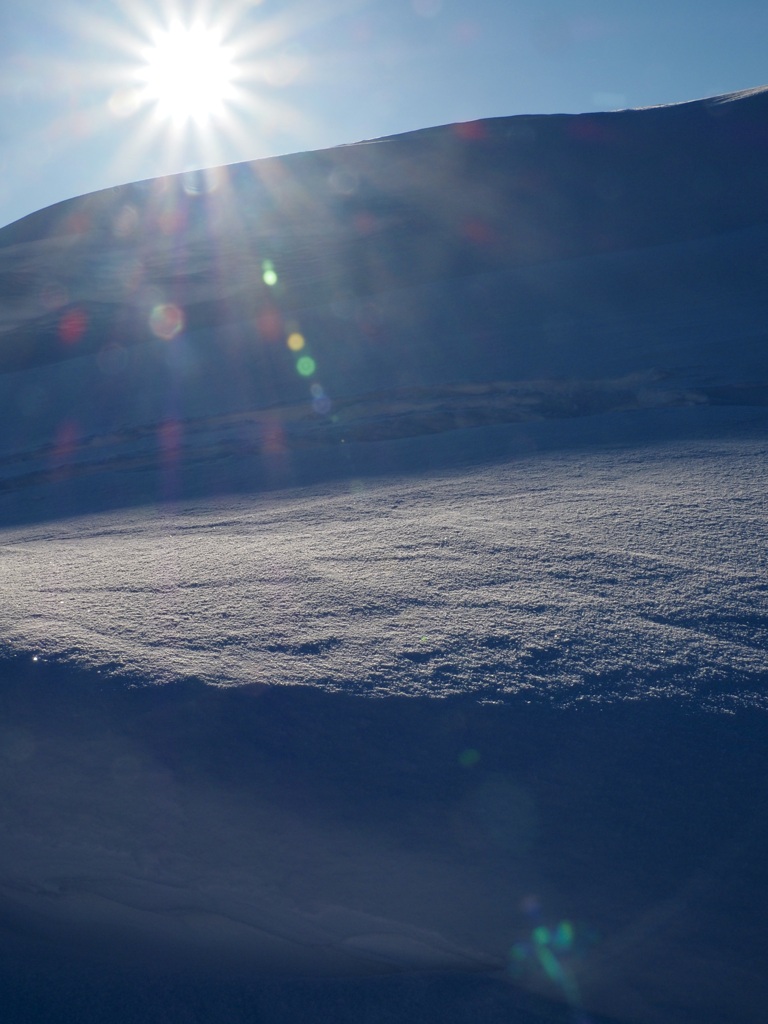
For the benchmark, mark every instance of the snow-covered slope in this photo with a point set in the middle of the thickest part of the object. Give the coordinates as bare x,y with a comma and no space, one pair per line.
500,271
383,604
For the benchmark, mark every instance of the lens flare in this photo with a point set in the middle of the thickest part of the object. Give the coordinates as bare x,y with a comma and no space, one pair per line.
166,321
270,323
554,952
73,325
306,366
268,273
468,758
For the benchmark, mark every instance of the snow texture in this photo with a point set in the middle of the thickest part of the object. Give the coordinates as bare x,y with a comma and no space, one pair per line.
597,576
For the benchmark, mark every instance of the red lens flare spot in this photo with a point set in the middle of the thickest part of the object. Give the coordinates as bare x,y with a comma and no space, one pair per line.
171,222
478,231
467,31
73,325
270,324
273,438
78,223
166,321
169,436
64,446
471,130
365,222
169,442
588,129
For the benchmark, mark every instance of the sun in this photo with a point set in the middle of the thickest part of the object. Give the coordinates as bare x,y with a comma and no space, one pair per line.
195,82
188,74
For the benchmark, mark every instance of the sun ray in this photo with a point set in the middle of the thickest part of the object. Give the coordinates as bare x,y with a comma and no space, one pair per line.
198,83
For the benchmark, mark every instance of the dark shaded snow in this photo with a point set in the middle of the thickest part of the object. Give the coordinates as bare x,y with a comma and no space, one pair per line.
221,842
525,474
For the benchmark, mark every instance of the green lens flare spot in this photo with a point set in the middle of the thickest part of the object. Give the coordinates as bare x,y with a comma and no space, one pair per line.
306,366
468,758
268,273
551,965
563,937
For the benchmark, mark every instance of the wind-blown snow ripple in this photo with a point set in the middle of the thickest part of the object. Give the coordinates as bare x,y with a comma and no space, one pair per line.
569,577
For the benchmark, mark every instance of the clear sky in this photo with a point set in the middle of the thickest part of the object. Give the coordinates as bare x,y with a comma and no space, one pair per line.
94,93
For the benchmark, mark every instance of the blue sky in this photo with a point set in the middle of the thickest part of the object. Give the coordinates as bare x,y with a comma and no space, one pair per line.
321,73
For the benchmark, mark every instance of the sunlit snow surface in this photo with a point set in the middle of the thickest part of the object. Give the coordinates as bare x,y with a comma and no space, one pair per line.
590,575
424,680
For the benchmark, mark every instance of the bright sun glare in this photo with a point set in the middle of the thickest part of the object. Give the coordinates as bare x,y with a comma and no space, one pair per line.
188,74
197,87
